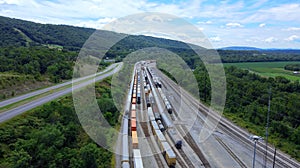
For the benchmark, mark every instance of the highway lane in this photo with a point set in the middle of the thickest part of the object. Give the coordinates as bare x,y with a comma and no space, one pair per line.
28,106
38,92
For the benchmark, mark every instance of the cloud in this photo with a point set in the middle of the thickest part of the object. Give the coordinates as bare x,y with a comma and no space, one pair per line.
292,29
98,24
233,25
270,40
15,2
283,12
262,25
205,22
215,39
293,38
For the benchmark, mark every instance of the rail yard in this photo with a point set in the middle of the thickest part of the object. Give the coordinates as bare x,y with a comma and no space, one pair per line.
161,126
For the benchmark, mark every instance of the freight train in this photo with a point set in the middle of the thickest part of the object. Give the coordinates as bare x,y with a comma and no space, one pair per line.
134,98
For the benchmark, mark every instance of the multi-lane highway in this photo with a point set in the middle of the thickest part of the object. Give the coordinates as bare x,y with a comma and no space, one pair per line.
4,116
38,92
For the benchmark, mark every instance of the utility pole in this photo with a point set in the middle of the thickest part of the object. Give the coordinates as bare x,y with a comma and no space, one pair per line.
267,128
274,159
255,138
253,163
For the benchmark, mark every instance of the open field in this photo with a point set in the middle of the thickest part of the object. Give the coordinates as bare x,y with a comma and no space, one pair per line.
268,69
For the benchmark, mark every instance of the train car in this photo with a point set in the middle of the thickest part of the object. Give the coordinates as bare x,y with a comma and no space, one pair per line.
169,154
125,165
157,116
166,101
134,90
161,127
149,88
166,121
150,114
148,101
137,158
134,95
125,149
174,136
135,141
133,124
133,100
125,125
169,107
160,138
138,101
133,114
133,107
151,98
154,126
158,84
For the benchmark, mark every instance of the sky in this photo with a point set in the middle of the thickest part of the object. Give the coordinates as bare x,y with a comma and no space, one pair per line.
262,24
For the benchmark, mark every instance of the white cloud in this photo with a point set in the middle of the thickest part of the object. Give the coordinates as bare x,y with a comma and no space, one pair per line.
233,25
283,12
205,22
215,39
293,38
270,40
96,24
15,2
262,25
292,29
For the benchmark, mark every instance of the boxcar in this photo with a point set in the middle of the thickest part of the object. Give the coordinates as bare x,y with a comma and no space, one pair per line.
169,154
135,141
137,158
133,124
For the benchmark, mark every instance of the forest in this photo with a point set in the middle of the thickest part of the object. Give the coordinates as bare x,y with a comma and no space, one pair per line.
51,136
292,67
247,105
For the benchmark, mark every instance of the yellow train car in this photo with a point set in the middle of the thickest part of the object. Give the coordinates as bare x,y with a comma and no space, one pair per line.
135,141
169,154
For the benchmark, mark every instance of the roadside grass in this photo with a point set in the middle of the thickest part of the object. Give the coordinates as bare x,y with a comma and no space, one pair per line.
22,102
268,69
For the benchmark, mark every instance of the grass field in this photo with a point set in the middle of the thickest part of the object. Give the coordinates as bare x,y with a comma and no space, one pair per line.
268,69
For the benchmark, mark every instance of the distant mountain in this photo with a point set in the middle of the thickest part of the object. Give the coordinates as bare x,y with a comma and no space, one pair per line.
243,48
16,32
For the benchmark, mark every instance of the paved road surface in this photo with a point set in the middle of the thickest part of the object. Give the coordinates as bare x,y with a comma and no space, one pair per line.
31,94
35,103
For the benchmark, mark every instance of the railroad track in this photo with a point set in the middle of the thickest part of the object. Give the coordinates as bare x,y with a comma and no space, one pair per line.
145,128
156,156
179,160
281,159
185,157
189,139
230,152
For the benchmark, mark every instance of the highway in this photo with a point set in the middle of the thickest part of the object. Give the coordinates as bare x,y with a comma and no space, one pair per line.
4,116
38,92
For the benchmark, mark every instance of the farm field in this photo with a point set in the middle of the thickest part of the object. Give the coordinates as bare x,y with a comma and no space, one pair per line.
268,69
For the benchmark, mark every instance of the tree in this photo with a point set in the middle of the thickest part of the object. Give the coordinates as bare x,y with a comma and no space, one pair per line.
20,159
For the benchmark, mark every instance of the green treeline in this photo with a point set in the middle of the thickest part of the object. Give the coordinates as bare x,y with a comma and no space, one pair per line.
247,105
259,55
292,67
51,136
38,61
70,37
